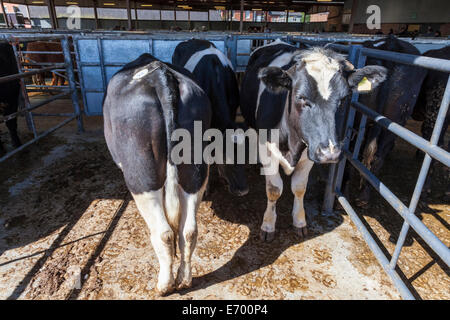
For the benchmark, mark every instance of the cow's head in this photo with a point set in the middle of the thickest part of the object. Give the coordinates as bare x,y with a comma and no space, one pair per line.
317,83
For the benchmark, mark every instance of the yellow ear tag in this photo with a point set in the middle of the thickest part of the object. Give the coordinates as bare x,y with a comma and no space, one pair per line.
364,85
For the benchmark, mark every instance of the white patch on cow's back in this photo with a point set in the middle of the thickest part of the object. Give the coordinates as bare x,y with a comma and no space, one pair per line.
378,43
280,61
140,74
322,68
273,43
196,57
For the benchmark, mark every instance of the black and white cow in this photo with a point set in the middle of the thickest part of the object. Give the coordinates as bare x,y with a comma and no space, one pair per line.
144,103
429,102
9,91
298,92
214,73
395,99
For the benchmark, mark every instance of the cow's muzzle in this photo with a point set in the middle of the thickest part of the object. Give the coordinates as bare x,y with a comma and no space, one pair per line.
328,153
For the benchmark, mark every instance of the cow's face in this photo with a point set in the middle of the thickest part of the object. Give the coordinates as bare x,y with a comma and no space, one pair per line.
317,84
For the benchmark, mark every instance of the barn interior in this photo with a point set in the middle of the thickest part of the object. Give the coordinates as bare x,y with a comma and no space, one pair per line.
229,15
69,228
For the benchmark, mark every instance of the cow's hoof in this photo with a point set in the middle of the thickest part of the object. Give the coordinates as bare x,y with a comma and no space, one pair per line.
265,236
184,284
302,232
183,281
164,290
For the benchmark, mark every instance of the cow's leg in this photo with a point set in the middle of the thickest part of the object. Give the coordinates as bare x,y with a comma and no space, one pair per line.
12,106
54,79
299,181
150,205
274,188
187,235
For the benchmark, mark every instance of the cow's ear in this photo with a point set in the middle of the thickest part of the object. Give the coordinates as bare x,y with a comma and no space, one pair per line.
366,79
275,79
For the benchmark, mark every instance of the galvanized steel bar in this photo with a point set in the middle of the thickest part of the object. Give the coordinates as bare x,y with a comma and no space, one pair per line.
417,141
30,73
42,135
35,106
410,59
23,89
404,291
72,84
423,172
425,233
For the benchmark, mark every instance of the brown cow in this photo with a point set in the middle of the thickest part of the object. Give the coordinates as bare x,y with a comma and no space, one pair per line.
43,46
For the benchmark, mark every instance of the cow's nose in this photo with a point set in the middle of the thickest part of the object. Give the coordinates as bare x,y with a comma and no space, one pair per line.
328,154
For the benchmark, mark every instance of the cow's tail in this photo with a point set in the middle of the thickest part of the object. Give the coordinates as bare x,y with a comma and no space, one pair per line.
168,95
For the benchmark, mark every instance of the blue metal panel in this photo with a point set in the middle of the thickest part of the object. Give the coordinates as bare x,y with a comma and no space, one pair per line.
88,50
91,77
123,51
163,49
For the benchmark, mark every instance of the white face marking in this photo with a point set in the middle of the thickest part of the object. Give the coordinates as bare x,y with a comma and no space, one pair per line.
279,62
196,57
322,69
331,146
277,41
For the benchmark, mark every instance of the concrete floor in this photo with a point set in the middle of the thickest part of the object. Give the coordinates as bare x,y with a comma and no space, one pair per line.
65,210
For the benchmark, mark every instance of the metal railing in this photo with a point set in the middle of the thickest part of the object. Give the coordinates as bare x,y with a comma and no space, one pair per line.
357,54
28,107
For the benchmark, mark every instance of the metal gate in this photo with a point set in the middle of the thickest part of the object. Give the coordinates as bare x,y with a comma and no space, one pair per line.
27,108
357,54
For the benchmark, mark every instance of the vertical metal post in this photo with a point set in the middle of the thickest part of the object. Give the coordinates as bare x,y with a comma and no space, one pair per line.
5,16
95,14
52,14
160,18
241,22
352,16
209,20
189,19
136,19
423,174
328,202
72,85
130,27
175,13
28,115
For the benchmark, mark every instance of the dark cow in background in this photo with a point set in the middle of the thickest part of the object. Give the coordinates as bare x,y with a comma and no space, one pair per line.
144,103
9,91
395,99
214,73
298,92
45,46
429,102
